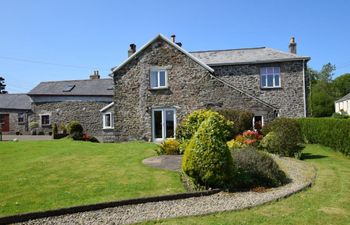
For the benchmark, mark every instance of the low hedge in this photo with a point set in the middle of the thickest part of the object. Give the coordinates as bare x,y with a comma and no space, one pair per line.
330,132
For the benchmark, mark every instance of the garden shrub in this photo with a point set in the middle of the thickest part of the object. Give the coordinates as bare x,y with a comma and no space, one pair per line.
75,130
33,125
242,119
286,139
256,169
54,129
340,116
63,128
169,146
330,132
188,127
207,159
234,144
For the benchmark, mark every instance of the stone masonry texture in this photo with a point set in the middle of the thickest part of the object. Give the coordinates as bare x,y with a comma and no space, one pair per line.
191,87
87,113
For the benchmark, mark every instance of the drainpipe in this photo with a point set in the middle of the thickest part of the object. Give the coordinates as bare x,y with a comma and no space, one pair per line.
304,88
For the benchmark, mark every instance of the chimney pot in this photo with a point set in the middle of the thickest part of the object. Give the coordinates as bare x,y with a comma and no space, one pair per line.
132,49
173,38
95,75
292,46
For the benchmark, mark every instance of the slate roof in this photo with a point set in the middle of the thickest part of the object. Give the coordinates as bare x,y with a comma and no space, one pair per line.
98,87
245,56
346,97
15,101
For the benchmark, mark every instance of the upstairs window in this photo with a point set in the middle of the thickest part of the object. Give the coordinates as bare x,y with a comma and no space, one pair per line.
159,79
270,77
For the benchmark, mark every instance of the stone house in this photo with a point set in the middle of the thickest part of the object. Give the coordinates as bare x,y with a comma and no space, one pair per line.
15,109
156,86
342,105
72,100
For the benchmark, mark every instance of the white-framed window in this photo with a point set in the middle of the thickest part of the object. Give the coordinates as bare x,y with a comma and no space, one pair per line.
158,79
270,77
21,118
108,120
163,123
45,120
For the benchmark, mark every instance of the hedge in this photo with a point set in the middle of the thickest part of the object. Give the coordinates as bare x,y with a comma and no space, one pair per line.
330,132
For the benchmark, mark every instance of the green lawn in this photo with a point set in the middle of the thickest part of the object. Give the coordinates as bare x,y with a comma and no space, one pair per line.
41,175
327,202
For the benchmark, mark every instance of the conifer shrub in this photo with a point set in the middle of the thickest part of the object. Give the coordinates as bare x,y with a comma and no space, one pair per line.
188,127
207,160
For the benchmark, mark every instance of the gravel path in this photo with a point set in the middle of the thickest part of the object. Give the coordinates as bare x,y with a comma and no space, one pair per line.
302,175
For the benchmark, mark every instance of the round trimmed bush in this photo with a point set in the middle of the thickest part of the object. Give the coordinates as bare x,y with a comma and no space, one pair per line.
188,127
207,159
256,169
75,130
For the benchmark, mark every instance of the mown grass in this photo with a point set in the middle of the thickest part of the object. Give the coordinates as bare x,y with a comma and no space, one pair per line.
42,175
327,202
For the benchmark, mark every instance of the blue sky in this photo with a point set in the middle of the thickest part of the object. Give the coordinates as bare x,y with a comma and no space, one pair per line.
68,39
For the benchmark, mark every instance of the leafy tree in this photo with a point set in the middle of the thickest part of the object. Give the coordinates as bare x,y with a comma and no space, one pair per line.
323,92
2,86
342,85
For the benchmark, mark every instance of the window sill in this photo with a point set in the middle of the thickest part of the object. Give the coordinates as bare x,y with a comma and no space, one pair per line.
270,88
108,128
156,89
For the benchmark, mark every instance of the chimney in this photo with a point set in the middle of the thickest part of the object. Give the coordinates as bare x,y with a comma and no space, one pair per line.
173,38
95,75
132,49
292,46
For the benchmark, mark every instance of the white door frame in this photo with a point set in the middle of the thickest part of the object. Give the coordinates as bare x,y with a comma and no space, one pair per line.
163,110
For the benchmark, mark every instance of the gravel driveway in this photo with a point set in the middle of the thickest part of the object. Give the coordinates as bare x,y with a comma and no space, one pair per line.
301,174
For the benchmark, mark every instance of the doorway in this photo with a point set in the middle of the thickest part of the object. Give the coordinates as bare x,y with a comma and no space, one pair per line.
163,124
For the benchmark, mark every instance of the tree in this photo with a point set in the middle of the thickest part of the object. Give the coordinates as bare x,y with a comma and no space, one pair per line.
342,85
323,92
2,86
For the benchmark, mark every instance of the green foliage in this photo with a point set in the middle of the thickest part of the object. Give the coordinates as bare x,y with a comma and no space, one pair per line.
286,139
188,127
333,133
207,159
33,125
322,99
234,144
256,169
63,128
54,129
342,85
75,130
340,116
169,146
242,119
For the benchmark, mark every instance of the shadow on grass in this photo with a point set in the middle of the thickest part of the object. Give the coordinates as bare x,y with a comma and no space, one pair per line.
311,156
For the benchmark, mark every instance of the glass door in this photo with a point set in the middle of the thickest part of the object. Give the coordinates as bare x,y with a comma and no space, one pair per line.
163,124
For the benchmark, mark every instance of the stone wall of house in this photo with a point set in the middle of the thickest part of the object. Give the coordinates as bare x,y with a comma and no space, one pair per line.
14,125
290,98
190,87
87,113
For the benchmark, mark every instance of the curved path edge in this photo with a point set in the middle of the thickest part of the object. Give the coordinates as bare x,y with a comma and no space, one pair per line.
302,175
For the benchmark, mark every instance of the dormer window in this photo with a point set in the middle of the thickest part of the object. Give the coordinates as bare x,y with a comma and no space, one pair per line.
270,77
158,79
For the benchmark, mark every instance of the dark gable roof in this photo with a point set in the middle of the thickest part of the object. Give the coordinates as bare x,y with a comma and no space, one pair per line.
346,97
15,101
245,56
97,87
